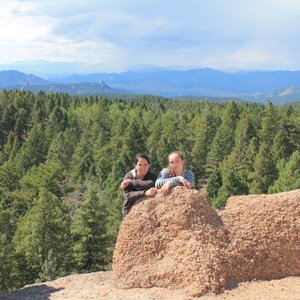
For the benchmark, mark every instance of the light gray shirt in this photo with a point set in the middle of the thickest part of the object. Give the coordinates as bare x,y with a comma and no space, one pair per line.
164,177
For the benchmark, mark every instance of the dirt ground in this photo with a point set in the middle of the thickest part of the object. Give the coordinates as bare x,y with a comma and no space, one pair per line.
99,285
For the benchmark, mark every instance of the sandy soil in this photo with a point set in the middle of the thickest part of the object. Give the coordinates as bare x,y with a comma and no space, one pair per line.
99,285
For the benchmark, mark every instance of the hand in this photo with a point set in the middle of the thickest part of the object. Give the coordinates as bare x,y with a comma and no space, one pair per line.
151,192
186,183
171,172
165,190
124,184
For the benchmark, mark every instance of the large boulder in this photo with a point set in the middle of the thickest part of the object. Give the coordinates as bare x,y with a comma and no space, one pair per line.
175,241
264,233
180,241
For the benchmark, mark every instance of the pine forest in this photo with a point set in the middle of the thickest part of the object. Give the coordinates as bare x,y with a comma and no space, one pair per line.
62,159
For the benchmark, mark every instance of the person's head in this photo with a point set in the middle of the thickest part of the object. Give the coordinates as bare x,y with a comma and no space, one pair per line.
142,164
176,162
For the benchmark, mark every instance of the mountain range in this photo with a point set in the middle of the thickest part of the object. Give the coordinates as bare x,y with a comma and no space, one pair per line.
259,86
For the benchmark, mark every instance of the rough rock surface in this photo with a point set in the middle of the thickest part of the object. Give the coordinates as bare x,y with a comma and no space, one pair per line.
264,233
99,286
180,242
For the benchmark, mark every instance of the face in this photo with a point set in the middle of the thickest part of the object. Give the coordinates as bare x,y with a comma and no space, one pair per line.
142,167
176,164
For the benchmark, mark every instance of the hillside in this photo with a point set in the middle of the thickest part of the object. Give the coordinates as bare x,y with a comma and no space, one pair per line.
97,88
249,86
277,86
12,78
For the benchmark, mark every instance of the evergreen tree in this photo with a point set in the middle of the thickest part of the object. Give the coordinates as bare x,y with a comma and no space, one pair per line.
269,122
50,268
8,121
7,280
49,176
233,184
204,132
214,183
237,159
289,177
223,141
57,122
44,227
89,232
286,140
20,128
264,171
134,140
33,151
113,197
250,154
82,158
5,153
62,147
38,113
9,175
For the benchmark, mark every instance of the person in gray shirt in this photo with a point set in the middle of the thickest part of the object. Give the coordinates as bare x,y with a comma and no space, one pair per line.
175,175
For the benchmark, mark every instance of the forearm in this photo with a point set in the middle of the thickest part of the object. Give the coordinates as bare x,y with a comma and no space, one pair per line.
142,184
173,181
133,196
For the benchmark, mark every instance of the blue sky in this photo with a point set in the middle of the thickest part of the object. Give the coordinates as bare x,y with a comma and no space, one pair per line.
117,35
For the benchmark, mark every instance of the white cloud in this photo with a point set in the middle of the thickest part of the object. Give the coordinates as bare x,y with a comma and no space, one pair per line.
216,33
18,27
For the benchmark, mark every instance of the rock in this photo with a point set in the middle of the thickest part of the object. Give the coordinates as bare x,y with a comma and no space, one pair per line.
176,241
264,233
181,242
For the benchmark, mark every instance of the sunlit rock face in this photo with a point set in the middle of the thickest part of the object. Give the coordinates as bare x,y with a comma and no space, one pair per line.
180,241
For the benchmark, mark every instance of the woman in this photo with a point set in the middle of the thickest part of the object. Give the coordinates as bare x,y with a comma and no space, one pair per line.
138,183
175,174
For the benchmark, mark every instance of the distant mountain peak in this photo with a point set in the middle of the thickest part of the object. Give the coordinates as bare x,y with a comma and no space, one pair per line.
103,84
12,77
287,91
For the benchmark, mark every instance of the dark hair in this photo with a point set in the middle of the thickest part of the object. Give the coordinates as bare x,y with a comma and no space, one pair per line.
138,156
180,154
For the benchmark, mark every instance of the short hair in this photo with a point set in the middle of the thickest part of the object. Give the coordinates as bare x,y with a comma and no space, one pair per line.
180,154
140,155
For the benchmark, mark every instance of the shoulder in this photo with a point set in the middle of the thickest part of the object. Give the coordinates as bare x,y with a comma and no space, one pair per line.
129,175
164,171
188,173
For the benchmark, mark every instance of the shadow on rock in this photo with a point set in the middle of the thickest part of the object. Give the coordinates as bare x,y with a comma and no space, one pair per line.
36,292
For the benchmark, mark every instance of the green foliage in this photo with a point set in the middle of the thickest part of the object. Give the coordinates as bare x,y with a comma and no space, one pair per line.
232,184
268,129
7,280
264,171
48,176
214,183
223,141
50,268
289,177
33,151
89,232
44,227
205,129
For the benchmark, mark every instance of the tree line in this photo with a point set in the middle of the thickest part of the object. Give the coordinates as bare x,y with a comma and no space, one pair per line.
63,157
